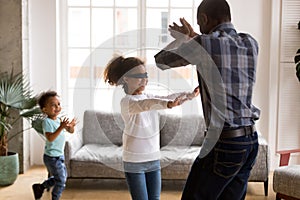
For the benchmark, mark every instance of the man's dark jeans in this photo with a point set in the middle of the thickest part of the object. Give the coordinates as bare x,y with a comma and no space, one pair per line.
223,174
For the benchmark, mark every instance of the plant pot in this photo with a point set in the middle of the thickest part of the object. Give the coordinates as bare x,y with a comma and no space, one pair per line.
9,168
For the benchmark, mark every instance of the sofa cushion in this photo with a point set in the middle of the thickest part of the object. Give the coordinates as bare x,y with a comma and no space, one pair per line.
176,161
109,155
286,180
178,155
99,152
102,128
181,130
88,169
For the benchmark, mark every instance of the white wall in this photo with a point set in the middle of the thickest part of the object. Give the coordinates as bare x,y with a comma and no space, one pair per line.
257,17
42,58
273,86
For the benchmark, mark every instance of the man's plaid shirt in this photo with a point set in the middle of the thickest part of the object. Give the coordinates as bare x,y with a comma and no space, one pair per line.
226,54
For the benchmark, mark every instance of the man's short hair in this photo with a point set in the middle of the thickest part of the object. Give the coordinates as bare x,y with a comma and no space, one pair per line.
215,9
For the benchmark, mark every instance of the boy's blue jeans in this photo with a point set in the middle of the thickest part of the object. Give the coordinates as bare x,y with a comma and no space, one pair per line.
56,167
223,174
144,183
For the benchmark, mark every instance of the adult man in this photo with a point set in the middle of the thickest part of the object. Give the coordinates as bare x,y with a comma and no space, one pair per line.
226,65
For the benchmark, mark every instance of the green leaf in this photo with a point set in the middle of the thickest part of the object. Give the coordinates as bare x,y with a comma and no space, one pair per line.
6,126
31,112
37,124
15,92
28,104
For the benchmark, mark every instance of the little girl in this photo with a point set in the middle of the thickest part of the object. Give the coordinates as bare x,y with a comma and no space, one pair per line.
141,150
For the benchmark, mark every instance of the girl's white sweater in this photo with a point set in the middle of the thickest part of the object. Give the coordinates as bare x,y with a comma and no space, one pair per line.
141,132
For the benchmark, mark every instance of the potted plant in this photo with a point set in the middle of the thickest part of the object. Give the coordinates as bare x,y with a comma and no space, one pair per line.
16,103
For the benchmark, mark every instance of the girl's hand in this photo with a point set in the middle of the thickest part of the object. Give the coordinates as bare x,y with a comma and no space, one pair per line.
196,91
193,94
177,102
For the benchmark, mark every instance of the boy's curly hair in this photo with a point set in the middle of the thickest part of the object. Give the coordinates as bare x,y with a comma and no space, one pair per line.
44,98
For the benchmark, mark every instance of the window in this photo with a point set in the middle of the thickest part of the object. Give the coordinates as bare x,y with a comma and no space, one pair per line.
94,30
289,97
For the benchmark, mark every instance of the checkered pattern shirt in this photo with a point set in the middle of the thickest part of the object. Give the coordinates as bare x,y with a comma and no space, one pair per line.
226,64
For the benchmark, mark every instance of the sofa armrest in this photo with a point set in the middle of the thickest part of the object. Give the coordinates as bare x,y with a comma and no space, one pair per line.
73,144
285,156
263,142
260,171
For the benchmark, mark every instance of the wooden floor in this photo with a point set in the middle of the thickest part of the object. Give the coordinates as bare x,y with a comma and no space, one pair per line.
104,189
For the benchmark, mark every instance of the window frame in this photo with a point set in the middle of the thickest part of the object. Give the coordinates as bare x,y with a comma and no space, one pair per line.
141,22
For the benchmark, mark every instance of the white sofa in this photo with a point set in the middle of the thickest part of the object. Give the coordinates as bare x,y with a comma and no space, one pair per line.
96,151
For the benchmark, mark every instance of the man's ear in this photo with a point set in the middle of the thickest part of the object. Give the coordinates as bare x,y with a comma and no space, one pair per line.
203,19
43,109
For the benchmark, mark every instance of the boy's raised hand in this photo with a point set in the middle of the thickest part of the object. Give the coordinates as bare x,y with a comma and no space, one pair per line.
70,126
64,122
73,122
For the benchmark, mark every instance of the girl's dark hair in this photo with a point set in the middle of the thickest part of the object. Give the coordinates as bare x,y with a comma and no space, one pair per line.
215,9
118,67
44,98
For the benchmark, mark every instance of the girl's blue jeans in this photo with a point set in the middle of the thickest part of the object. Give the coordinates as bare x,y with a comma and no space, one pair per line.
144,183
223,174
56,167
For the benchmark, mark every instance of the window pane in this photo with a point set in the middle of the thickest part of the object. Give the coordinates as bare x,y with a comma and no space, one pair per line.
79,27
78,3
161,77
181,78
130,52
157,18
79,101
79,68
160,23
123,3
102,27
180,3
108,99
150,57
126,20
100,58
157,3
128,41
102,3
197,3
126,29
175,14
